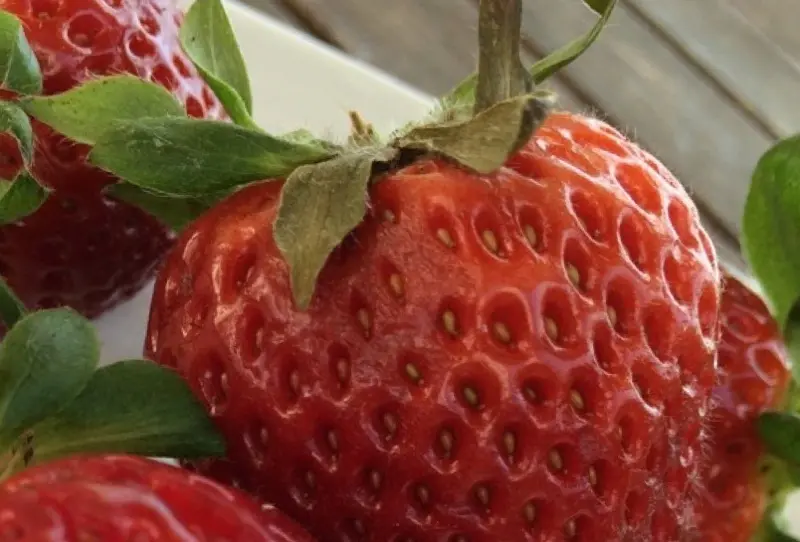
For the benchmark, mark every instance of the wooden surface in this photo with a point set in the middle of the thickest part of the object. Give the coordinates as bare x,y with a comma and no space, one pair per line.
707,85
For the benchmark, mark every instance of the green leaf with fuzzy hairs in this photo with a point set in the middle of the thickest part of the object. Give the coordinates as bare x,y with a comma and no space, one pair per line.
20,197
18,65
186,157
209,41
86,112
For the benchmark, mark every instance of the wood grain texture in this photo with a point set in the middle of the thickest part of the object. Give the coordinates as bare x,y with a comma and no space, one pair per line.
667,104
777,19
751,69
430,44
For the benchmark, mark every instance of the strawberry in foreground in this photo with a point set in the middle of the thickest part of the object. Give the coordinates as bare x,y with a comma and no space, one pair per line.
80,246
123,498
753,378
498,326
67,430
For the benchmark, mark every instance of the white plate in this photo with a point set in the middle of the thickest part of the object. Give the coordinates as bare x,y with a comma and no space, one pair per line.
297,83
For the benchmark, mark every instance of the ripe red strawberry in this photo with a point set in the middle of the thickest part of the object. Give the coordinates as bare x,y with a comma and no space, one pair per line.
83,249
125,498
524,355
753,378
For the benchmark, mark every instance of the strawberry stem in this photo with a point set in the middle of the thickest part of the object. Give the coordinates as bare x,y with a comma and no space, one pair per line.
501,74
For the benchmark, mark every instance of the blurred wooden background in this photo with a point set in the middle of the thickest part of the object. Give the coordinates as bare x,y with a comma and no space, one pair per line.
707,85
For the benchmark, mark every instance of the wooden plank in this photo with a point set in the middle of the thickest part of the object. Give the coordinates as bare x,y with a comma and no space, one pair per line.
750,67
672,108
277,10
429,44
777,19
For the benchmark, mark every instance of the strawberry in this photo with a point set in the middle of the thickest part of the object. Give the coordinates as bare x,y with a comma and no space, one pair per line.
83,248
494,357
120,498
498,324
753,378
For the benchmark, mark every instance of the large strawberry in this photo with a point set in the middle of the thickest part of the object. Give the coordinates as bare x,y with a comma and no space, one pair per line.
753,377
117,498
474,332
82,247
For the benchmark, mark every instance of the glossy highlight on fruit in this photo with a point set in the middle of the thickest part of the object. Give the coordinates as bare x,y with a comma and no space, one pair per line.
81,248
522,355
127,498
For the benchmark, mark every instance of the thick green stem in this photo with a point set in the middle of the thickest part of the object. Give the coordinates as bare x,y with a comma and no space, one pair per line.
501,74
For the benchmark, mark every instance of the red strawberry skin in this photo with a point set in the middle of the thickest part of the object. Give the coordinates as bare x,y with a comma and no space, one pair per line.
754,375
127,498
522,356
83,249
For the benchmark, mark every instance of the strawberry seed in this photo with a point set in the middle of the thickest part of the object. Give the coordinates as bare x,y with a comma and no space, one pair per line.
556,460
450,323
447,440
471,396
413,373
501,333
396,284
445,237
490,240
529,512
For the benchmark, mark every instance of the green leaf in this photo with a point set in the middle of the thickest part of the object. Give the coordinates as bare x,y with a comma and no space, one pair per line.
18,64
14,121
175,212
462,97
84,113
780,434
11,308
134,407
549,65
191,157
20,197
46,359
321,204
771,229
209,41
484,142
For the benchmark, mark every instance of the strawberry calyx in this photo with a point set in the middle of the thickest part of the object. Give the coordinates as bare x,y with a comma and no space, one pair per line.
55,400
23,194
176,167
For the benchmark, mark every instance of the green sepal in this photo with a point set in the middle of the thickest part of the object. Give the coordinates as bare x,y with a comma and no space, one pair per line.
771,233
15,122
193,158
209,41
461,99
135,407
483,142
84,113
320,205
46,359
18,63
174,212
11,307
780,434
20,197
